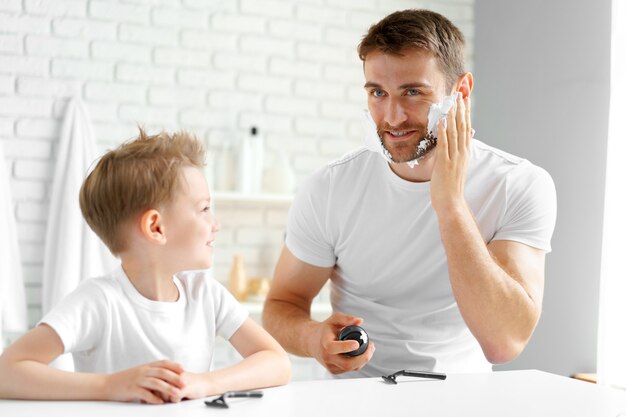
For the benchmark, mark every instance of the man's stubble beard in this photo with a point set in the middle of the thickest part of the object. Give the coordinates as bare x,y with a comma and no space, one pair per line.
410,152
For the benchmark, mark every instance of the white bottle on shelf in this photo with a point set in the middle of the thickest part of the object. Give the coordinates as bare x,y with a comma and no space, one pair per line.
244,177
279,178
224,175
258,151
251,163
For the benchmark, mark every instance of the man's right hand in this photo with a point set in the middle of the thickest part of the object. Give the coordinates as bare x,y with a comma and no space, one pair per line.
330,352
153,383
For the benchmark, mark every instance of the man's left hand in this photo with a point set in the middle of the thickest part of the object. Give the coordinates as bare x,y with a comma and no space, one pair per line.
452,156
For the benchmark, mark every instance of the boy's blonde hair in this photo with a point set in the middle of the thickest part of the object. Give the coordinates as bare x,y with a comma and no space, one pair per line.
139,175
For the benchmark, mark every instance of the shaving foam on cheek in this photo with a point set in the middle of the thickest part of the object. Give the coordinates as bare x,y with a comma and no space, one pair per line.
371,140
437,111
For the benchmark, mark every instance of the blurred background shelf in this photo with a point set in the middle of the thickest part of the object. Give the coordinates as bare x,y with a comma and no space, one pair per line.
320,310
237,197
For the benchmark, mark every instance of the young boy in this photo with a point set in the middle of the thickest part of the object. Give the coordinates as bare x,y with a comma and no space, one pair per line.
146,331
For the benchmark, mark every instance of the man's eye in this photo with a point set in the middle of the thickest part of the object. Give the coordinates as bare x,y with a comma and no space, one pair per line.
377,93
412,92
207,208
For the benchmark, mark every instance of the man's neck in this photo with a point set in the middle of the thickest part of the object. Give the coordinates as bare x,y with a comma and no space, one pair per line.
419,173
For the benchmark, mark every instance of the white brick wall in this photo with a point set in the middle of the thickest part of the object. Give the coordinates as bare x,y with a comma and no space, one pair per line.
213,67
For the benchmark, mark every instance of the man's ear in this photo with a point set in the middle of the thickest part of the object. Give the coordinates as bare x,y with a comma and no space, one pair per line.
465,84
152,228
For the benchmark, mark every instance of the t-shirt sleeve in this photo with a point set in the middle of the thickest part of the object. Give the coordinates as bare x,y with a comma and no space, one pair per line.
78,318
530,214
307,232
229,313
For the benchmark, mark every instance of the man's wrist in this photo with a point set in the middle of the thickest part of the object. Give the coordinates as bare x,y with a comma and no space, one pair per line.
311,331
452,210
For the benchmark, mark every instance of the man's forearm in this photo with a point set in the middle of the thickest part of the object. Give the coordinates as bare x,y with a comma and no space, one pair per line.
290,325
497,308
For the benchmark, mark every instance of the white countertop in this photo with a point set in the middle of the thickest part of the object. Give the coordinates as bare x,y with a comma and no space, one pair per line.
498,394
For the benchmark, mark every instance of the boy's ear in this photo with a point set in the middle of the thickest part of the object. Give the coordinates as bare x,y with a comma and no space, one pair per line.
152,228
465,84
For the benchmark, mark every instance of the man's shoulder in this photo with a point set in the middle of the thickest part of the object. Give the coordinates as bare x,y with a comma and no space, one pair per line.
484,151
494,159
501,165
354,158
352,163
340,174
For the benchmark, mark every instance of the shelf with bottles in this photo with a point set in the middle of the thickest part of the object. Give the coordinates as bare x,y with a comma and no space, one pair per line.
320,307
245,171
252,291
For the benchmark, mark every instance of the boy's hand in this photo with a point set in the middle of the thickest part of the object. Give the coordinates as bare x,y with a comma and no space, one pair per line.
152,383
330,352
195,386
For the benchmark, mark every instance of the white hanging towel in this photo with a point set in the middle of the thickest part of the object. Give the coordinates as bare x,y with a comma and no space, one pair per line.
73,251
13,315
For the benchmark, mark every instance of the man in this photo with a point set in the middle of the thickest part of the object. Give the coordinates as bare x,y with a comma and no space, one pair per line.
442,262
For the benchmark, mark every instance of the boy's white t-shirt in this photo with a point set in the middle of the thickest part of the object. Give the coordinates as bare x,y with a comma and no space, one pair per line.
108,326
382,235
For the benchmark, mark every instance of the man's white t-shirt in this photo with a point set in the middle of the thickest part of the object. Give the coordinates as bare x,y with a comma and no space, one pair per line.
382,237
108,326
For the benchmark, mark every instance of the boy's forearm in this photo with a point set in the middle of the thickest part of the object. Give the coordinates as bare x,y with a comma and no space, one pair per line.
30,380
290,325
263,369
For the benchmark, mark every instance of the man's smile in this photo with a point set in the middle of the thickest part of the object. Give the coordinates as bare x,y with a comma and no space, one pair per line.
399,135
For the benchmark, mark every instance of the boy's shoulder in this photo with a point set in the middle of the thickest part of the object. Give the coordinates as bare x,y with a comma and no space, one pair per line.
200,283
99,289
200,286
91,296
105,283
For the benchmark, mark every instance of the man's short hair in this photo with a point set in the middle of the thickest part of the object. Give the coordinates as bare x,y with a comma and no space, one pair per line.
421,29
139,175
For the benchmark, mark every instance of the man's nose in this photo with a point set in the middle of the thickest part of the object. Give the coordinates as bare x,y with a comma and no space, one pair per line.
395,113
